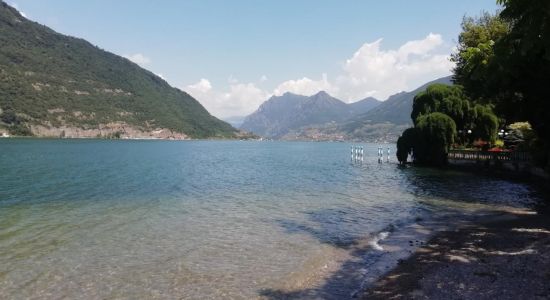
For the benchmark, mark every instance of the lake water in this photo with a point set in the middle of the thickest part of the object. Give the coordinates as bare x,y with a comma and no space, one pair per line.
100,219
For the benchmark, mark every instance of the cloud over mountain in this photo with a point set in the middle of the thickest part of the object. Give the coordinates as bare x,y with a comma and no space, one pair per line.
138,58
240,99
371,71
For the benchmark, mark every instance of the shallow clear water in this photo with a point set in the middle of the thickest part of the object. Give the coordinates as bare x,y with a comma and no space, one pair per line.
202,219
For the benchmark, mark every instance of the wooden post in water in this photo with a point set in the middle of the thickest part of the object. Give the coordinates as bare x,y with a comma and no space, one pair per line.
357,153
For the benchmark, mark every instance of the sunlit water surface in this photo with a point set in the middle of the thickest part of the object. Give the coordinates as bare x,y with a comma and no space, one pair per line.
202,219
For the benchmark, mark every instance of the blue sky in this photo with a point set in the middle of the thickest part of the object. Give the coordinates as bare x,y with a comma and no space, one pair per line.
232,55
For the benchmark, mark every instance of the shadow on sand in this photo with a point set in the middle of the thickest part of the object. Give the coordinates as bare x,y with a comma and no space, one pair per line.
433,240
506,257
363,254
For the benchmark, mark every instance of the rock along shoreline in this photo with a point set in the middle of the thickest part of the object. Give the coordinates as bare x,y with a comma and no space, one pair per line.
506,256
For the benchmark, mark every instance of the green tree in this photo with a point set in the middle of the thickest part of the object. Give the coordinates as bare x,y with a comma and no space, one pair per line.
505,60
437,133
485,123
475,56
436,114
524,58
20,129
8,116
15,124
450,100
429,141
406,143
447,99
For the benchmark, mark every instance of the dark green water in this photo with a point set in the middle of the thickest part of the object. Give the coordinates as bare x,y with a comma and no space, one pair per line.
168,219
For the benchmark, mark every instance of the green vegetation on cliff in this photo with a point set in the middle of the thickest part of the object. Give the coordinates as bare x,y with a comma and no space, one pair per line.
50,79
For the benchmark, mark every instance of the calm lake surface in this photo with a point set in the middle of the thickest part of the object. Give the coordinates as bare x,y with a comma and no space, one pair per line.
203,219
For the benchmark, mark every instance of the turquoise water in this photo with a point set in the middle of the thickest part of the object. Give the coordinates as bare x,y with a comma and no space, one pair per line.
204,219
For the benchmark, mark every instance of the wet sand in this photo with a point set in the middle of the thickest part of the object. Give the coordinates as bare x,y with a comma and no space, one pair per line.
343,273
505,256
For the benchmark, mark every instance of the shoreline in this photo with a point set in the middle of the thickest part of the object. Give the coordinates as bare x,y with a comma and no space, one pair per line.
343,273
351,271
504,256
119,139
527,172
435,244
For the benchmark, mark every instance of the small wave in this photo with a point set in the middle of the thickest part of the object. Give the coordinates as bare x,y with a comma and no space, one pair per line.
379,237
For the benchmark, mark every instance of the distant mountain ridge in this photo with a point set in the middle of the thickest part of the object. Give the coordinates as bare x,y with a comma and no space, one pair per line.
386,121
56,85
365,105
280,115
235,121
323,117
398,107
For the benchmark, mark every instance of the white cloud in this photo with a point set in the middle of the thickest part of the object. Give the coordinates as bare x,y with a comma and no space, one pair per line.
419,47
14,5
370,71
138,58
203,86
160,75
241,98
306,86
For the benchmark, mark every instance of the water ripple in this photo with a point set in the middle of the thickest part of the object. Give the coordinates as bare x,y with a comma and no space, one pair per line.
160,219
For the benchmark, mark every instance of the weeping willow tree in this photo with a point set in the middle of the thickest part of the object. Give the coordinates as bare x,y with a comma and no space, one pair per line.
406,143
437,114
437,132
429,141
447,99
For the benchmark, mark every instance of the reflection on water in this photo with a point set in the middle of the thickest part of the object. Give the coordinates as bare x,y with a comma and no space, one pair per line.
161,219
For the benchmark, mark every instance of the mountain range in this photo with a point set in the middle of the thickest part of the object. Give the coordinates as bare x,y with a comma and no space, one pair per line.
323,117
56,85
398,107
279,115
